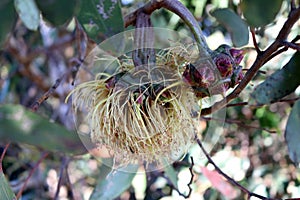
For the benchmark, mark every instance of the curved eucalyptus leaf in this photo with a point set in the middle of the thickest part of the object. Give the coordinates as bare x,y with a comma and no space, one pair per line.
28,13
292,133
279,84
237,28
7,18
115,183
101,19
17,124
260,13
6,192
58,12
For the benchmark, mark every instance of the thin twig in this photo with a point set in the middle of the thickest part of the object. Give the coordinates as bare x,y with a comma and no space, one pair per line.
255,41
192,177
69,184
2,156
240,123
276,53
283,49
44,155
71,71
80,38
260,60
228,178
259,71
279,101
237,104
35,106
81,41
189,183
63,167
291,45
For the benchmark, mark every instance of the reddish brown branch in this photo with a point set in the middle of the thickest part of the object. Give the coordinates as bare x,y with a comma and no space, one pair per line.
35,106
255,41
246,103
2,156
192,177
71,71
260,60
62,172
228,178
240,123
283,49
189,183
83,45
44,155
69,184
259,71
291,45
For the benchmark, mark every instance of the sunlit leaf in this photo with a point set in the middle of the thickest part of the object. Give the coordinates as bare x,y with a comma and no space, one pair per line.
115,183
220,4
292,133
6,192
260,13
237,28
7,18
58,12
28,13
101,18
279,84
17,124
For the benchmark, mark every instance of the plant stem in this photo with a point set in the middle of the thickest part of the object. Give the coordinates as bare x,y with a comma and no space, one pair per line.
254,41
229,179
143,53
178,8
35,106
261,59
44,155
2,156
63,169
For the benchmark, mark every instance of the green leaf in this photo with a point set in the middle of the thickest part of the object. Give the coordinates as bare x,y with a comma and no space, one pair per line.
58,12
172,175
17,124
7,18
237,28
115,183
260,13
6,192
279,84
292,133
101,18
266,118
28,13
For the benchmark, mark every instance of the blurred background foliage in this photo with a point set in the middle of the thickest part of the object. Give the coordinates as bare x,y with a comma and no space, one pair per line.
39,55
